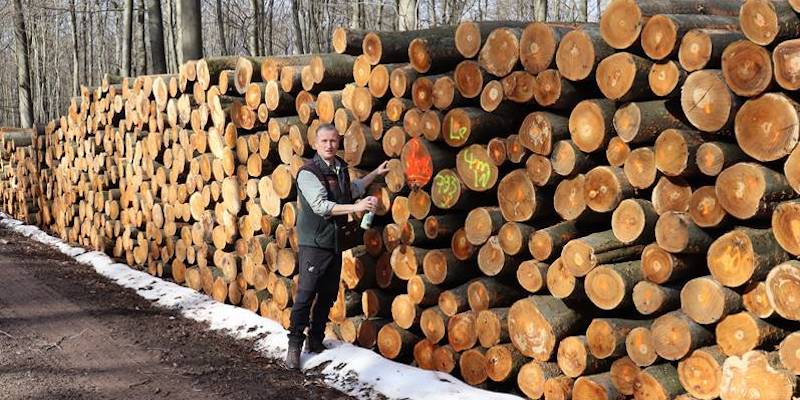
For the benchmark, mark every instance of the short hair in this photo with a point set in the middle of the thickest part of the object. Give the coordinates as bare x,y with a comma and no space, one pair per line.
327,127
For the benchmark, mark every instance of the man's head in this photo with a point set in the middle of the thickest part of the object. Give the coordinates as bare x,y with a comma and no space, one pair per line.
327,142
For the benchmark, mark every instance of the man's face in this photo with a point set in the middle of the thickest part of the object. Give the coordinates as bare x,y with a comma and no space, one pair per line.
327,143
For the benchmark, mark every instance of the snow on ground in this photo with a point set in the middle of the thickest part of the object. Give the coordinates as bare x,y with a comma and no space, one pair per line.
356,371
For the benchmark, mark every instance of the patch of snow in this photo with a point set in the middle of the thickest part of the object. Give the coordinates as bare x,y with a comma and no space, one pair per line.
354,370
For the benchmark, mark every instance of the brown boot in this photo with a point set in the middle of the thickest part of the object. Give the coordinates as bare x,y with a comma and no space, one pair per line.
293,356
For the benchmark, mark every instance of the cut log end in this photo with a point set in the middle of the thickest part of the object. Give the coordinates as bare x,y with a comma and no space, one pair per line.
621,23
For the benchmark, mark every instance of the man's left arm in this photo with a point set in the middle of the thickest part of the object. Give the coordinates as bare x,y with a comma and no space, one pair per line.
359,186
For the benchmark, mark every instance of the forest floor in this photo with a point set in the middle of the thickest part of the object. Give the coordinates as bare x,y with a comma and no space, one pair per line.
68,333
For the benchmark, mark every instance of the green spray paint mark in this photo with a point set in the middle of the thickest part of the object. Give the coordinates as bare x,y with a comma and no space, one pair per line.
447,187
459,133
481,169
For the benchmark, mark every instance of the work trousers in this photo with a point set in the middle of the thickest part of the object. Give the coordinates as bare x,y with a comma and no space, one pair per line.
316,292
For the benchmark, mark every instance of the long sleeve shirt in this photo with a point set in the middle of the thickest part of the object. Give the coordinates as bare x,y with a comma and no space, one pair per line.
315,194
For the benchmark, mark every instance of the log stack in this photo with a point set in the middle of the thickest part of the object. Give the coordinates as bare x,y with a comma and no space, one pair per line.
593,211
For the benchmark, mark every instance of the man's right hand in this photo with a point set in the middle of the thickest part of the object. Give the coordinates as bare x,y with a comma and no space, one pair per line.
368,203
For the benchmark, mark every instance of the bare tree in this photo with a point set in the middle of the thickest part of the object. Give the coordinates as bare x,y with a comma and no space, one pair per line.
75,62
127,38
221,26
23,67
540,10
270,21
406,15
298,30
191,28
253,45
158,58
141,44
583,10
356,11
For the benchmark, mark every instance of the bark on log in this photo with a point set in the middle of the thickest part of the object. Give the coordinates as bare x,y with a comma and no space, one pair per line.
595,387
622,21
640,168
575,360
433,323
537,323
610,286
764,22
605,187
634,220
744,254
739,333
705,301
661,32
624,77
702,48
538,44
701,372
640,347
606,336
675,335
533,376
471,35
643,122
579,52
652,299
676,233
658,382
623,375
582,255
781,284
503,362
491,326
461,331
671,194
553,91
750,191
766,127
395,342
591,124
543,243
540,130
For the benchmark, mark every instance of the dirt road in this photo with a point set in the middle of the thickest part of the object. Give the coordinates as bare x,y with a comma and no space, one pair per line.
68,333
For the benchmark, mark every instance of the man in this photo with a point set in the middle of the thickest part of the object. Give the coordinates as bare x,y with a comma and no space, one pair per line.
326,199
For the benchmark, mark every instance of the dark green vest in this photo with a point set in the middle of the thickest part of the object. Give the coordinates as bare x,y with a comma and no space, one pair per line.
312,229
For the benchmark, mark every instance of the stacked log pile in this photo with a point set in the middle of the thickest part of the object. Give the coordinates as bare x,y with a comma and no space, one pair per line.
593,211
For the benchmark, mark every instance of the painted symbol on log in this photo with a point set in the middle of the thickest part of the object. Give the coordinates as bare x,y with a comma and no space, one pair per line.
458,134
481,169
417,163
447,186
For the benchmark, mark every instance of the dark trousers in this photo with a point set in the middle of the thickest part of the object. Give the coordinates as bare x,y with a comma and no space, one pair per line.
319,280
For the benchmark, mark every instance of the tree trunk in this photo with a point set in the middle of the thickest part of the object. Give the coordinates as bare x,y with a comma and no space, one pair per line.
252,43
127,38
23,67
223,42
192,30
158,60
141,45
298,30
270,24
540,10
406,15
75,62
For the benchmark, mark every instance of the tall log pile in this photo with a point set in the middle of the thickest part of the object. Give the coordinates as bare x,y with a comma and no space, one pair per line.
594,211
